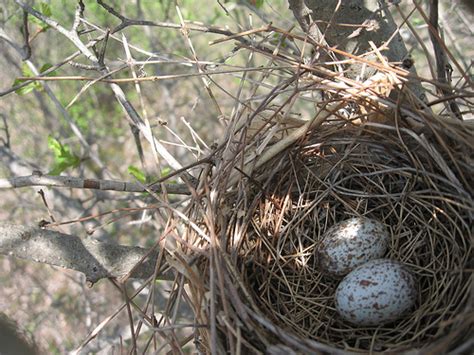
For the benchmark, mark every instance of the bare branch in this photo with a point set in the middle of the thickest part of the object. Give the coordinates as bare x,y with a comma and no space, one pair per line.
189,26
96,184
442,64
72,36
72,124
18,166
26,36
127,107
96,260
374,23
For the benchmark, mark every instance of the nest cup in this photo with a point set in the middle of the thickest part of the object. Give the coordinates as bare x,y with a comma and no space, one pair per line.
336,173
310,152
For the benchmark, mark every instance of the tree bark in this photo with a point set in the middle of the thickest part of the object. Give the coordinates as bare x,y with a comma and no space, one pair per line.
96,260
351,27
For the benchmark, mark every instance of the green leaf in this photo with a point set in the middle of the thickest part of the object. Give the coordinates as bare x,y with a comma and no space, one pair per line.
417,21
24,89
137,173
165,171
55,146
26,71
35,85
63,158
45,67
45,9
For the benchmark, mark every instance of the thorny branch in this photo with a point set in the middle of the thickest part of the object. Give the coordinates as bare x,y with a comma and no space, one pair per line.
126,106
72,124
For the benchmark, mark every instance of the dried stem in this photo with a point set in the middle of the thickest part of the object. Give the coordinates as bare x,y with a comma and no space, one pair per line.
96,184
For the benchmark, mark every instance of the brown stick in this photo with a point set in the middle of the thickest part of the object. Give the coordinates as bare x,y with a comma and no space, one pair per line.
442,64
96,184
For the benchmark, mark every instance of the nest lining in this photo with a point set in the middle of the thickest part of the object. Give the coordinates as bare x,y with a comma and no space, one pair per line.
357,172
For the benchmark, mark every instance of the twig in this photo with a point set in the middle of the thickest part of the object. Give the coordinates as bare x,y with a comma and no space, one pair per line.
45,202
72,36
96,184
26,37
442,65
144,79
465,75
96,260
72,124
6,38
17,166
127,107
134,129
189,44
6,140
78,15
103,49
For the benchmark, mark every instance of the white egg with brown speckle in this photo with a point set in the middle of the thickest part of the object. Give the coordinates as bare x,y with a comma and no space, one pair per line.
378,292
351,243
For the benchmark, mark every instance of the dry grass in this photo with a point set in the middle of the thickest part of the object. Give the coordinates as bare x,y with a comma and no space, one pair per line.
368,149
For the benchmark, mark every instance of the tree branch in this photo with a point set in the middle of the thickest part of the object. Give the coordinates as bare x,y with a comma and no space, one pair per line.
126,106
442,63
96,184
96,260
72,124
373,23
18,166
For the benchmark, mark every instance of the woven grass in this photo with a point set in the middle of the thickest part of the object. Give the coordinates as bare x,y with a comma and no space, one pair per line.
359,171
279,181
262,268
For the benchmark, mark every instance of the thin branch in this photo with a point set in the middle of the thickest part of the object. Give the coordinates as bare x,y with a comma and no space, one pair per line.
78,15
6,140
442,64
72,124
465,75
200,68
18,166
26,36
189,25
134,129
104,78
72,36
96,184
96,260
126,106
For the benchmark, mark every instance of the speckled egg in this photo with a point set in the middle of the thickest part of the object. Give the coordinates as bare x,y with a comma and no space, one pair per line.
351,243
376,293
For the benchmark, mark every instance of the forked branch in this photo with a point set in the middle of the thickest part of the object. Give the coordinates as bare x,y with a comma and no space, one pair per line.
95,259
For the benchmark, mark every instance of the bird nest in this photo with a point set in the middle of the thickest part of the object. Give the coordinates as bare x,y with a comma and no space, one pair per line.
262,278
352,172
279,182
